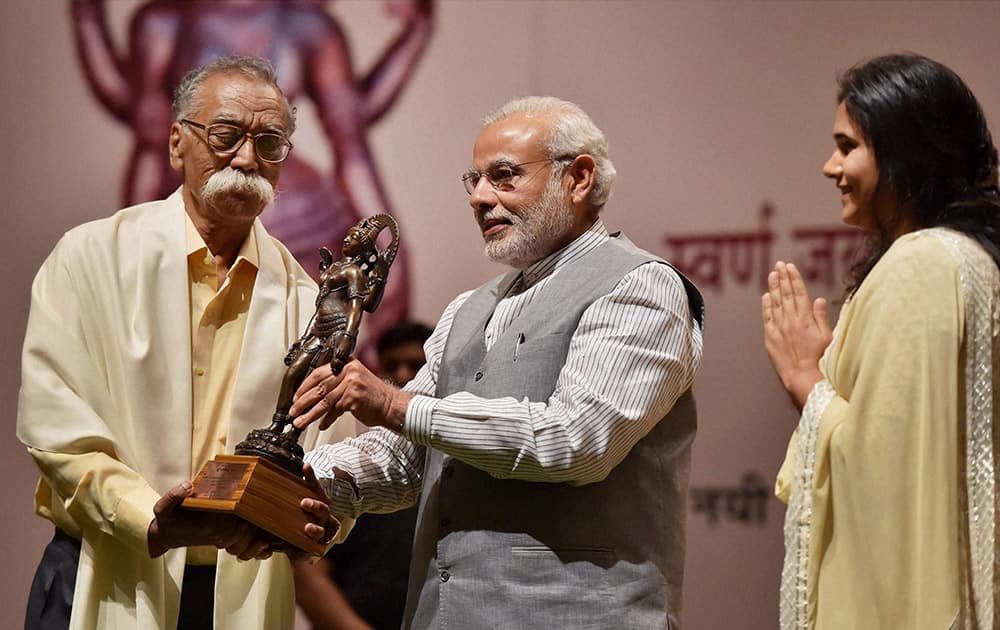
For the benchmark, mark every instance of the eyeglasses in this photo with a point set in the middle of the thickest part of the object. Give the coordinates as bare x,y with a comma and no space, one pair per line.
227,139
504,177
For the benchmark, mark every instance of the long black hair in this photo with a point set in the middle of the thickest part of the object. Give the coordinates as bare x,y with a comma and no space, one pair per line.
932,147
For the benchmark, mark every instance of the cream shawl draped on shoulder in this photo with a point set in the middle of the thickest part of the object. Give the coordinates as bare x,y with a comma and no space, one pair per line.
107,369
890,475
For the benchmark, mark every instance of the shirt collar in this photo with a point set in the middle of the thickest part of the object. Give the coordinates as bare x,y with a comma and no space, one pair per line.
196,245
582,245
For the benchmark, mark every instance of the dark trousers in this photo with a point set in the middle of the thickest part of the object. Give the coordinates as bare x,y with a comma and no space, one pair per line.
50,600
51,597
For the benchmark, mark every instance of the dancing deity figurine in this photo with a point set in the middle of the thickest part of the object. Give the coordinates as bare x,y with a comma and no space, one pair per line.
347,288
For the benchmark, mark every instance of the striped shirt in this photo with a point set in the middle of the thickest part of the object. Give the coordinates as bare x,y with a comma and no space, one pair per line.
633,354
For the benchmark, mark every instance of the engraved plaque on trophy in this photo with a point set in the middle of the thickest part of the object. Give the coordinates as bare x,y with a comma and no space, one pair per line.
263,483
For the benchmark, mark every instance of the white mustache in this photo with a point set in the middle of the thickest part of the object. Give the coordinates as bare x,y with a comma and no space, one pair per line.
498,214
233,180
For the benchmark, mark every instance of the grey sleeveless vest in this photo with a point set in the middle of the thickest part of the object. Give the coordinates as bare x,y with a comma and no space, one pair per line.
498,553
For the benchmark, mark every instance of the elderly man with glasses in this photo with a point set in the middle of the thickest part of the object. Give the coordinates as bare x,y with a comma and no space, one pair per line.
155,338
547,439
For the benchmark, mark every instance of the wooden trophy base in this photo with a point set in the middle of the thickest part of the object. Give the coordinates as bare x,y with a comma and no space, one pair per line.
258,491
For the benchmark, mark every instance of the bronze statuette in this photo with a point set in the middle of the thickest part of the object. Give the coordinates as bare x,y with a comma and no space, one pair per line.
267,467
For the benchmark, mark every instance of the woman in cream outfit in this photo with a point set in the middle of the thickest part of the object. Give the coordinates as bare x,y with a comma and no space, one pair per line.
890,476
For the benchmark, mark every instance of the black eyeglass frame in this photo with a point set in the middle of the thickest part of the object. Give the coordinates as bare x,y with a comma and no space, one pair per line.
285,143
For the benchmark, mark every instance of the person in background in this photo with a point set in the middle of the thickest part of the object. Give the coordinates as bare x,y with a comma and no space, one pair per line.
155,337
890,476
361,583
401,352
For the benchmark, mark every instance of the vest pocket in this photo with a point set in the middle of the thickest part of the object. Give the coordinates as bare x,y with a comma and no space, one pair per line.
566,587
601,556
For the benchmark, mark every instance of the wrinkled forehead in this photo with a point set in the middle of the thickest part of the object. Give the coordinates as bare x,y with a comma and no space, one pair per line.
239,99
517,138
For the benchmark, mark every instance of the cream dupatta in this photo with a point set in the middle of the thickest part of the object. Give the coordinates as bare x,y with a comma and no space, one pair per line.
893,443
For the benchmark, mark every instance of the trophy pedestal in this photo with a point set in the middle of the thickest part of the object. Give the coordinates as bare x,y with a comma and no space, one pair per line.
258,491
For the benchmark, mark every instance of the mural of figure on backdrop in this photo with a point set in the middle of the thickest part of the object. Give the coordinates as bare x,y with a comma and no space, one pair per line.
166,38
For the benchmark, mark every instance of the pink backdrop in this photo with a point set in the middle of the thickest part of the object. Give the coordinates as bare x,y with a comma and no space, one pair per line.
712,109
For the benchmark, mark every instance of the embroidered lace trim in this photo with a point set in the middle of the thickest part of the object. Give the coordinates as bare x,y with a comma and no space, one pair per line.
981,290
798,517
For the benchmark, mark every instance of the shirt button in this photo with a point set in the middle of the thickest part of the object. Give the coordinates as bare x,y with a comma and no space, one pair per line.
445,576
479,375
200,371
445,523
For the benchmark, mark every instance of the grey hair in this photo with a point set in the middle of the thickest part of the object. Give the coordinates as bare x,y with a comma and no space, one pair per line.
187,97
572,133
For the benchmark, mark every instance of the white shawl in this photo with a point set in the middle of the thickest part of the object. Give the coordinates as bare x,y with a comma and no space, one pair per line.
106,368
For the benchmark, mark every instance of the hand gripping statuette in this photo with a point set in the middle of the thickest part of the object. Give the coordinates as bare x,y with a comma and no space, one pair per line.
266,472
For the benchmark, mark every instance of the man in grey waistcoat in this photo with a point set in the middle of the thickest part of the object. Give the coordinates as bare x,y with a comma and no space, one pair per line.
548,437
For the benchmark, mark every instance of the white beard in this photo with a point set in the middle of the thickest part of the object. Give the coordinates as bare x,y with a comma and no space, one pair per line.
535,233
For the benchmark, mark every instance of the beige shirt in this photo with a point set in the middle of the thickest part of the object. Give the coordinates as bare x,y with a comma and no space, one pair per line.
218,321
